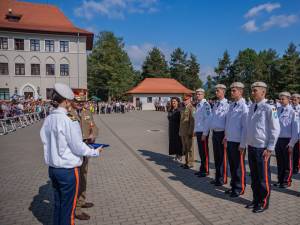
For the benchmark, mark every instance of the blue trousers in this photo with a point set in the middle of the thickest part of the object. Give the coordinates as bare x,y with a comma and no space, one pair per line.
260,176
65,183
236,161
220,157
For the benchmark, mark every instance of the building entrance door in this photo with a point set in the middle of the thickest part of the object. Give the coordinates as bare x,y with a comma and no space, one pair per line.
28,94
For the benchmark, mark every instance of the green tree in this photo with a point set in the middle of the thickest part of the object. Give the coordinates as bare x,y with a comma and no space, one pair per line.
223,69
110,72
209,87
178,65
192,73
155,65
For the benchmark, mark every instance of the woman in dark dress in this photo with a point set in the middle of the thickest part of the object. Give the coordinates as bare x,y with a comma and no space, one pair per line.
175,146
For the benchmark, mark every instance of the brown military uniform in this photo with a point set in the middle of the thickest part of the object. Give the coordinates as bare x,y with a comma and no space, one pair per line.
186,132
89,130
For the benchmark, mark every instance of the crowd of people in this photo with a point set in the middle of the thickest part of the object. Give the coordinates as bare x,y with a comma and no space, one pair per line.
261,127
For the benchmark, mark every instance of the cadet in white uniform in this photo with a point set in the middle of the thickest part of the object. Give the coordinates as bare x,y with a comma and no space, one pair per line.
296,150
217,125
63,151
235,137
262,133
203,111
283,156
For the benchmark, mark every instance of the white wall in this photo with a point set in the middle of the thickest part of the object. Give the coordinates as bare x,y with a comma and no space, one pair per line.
76,58
150,106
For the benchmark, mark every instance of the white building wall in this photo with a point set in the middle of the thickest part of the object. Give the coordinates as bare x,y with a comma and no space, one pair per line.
76,58
150,105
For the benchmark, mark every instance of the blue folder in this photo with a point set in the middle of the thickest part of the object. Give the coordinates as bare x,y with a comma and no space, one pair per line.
97,145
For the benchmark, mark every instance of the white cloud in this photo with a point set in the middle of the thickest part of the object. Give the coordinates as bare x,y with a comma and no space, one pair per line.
205,72
280,21
268,7
250,26
115,9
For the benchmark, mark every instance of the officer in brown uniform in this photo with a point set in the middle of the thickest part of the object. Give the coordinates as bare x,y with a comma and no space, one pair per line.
186,131
89,133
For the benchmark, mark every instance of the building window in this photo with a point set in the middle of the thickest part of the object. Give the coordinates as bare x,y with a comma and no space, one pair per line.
19,44
50,69
49,45
20,69
64,69
34,45
3,43
64,46
35,69
3,68
4,93
149,99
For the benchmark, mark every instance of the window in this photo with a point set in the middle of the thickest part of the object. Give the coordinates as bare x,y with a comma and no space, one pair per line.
3,43
49,45
149,99
50,69
64,46
4,93
19,44
35,69
3,68
64,69
20,69
34,45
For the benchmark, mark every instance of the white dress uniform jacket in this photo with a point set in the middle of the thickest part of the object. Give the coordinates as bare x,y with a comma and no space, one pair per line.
202,114
262,126
62,140
295,130
285,115
218,115
236,122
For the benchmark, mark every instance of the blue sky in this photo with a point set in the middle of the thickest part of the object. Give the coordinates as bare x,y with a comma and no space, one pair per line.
203,27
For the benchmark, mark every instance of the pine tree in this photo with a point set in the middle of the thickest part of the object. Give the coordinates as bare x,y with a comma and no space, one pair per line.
155,65
192,73
223,69
178,65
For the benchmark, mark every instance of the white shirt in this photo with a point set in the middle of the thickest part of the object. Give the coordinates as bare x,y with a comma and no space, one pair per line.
295,130
62,140
202,114
217,119
236,122
262,126
285,115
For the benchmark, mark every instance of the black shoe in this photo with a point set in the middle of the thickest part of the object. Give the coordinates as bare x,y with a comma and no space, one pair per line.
259,209
182,165
198,173
87,205
212,182
187,167
284,185
276,184
218,184
234,194
252,205
229,191
202,175
83,216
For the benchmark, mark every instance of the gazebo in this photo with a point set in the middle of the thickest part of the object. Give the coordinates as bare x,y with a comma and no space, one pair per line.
152,90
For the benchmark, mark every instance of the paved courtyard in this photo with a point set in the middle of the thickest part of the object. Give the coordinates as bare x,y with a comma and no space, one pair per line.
134,182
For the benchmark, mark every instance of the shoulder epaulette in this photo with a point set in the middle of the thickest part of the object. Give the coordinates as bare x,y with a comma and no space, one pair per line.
72,117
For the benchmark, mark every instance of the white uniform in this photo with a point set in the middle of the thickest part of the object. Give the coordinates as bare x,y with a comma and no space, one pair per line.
285,115
295,130
218,116
202,114
262,126
296,108
62,140
236,122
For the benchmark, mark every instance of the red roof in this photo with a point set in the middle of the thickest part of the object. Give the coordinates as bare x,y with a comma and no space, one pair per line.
39,18
159,86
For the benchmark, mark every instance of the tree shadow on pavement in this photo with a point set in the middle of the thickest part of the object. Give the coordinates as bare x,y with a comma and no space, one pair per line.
188,178
42,204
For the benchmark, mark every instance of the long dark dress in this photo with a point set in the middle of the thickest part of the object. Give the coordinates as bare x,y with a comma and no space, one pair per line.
175,145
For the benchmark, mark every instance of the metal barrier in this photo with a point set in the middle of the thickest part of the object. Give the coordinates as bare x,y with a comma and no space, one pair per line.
11,124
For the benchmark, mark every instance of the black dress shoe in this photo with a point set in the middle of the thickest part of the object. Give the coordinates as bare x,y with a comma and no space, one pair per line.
229,191
187,167
182,165
198,173
213,182
202,175
259,209
251,205
87,205
284,185
234,194
218,184
276,184
82,216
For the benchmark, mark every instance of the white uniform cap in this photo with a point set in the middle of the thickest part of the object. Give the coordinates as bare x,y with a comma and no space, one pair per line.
200,90
237,85
296,95
64,91
220,86
259,84
285,93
